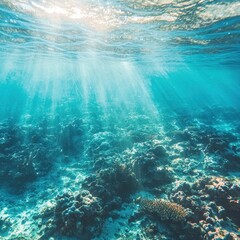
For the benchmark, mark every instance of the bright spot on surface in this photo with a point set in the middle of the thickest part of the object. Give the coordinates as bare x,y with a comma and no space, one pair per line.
94,16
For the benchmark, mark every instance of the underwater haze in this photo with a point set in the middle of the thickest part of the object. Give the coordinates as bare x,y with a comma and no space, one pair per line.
119,120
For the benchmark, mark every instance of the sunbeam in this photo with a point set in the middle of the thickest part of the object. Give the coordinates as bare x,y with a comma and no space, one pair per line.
119,119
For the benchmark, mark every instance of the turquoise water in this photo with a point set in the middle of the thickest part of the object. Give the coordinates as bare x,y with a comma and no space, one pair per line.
109,108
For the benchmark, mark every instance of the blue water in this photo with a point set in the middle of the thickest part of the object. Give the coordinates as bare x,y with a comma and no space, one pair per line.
87,85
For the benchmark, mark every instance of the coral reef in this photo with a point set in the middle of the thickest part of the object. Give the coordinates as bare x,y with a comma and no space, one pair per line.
164,210
78,215
150,173
148,164
115,181
25,154
214,207
83,213
100,169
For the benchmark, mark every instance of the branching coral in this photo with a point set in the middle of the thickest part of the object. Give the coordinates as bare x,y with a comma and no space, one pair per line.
163,209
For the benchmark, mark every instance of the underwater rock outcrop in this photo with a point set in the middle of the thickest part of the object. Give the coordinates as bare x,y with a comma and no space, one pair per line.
214,207
78,214
148,162
83,213
102,144
115,181
25,154
150,174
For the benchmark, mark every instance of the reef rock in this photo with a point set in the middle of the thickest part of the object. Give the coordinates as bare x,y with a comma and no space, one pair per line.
78,215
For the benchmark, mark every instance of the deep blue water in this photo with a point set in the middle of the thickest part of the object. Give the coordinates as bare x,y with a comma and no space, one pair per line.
122,99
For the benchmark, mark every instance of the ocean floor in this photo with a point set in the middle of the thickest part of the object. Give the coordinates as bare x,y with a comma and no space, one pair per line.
174,175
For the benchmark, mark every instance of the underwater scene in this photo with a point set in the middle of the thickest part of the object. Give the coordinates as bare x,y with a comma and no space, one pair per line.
119,120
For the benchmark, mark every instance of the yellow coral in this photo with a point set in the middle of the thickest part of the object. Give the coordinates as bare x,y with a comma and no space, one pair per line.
163,209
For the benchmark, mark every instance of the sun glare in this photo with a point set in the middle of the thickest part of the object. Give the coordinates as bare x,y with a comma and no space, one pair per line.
95,17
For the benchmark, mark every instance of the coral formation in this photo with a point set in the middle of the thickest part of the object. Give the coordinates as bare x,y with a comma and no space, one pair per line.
115,181
164,210
83,213
110,168
78,214
25,154
214,207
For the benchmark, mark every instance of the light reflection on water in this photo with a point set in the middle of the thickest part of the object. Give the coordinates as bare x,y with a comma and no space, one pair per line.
169,30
